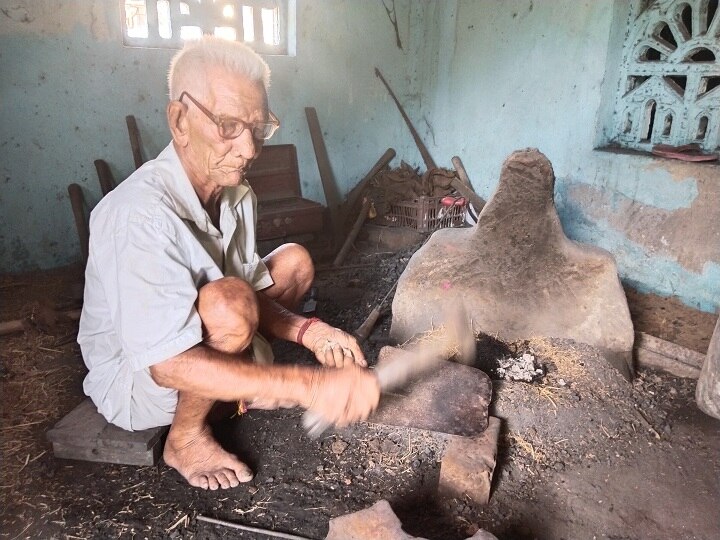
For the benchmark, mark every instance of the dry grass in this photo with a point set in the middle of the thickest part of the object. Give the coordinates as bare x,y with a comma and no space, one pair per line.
528,446
40,371
37,378
567,361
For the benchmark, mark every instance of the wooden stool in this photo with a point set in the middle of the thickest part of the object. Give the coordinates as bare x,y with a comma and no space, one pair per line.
84,434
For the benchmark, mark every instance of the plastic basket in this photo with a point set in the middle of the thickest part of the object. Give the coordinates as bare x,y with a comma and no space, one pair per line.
426,214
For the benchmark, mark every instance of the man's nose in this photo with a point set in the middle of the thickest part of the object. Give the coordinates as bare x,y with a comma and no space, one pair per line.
244,145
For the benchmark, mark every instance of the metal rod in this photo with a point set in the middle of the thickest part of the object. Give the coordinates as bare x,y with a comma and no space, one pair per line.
267,532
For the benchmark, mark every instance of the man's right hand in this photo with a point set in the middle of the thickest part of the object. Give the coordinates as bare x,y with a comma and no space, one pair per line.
343,396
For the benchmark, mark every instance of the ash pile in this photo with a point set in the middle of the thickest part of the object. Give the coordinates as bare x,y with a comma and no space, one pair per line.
524,368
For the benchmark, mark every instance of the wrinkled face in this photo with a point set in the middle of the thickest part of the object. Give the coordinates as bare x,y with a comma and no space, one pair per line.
222,162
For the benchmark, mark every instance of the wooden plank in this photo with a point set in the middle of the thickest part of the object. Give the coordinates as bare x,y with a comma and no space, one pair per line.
85,427
77,202
109,455
135,143
332,196
464,187
656,353
275,174
424,152
105,176
357,191
83,422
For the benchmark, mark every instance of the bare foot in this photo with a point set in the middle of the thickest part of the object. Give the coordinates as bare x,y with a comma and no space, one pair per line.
203,462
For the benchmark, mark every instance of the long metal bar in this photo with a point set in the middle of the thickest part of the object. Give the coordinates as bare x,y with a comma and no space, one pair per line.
267,532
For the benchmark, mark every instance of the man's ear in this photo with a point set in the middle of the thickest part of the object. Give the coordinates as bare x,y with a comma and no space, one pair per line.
178,122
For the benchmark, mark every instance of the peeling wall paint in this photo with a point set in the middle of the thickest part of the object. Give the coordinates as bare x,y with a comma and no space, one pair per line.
52,18
518,73
67,84
479,78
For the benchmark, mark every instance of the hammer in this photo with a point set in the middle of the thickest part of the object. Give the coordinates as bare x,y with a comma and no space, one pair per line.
422,355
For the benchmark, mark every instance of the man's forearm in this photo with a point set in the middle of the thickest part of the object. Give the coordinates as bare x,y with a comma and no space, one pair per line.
276,321
208,373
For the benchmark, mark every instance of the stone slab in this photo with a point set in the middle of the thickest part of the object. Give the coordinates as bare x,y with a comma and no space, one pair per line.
707,392
378,521
453,399
84,434
468,464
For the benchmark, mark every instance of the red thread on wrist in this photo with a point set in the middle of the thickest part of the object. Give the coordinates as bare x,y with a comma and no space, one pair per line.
303,328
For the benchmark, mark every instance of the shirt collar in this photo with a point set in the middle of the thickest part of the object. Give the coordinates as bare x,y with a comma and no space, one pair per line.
182,195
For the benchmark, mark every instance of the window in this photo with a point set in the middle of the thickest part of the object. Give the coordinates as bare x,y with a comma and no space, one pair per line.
266,25
669,91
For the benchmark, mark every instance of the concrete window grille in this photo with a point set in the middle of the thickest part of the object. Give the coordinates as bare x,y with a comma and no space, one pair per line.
669,90
266,25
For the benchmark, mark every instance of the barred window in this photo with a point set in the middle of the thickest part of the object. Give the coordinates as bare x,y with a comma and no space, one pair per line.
266,25
669,90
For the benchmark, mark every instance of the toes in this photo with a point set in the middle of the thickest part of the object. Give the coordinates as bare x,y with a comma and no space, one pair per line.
222,479
232,478
213,484
199,481
243,473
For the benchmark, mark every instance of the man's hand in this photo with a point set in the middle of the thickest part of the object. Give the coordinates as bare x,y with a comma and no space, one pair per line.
343,396
333,347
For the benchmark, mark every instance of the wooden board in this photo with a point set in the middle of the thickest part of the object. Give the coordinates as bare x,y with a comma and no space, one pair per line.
282,212
85,434
332,195
274,174
653,352
286,217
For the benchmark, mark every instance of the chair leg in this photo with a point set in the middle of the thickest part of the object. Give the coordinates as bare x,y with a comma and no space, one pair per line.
135,142
77,201
105,176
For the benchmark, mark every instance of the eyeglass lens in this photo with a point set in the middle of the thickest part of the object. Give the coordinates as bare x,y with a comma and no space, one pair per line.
230,129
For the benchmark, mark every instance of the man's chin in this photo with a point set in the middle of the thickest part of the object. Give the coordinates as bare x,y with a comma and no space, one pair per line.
233,177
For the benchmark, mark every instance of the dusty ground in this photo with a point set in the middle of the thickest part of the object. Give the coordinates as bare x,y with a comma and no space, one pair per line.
584,454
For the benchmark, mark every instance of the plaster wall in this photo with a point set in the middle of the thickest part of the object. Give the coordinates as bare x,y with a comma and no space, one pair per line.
529,73
480,78
68,82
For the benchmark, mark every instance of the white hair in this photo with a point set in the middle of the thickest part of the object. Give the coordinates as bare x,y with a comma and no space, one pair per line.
188,66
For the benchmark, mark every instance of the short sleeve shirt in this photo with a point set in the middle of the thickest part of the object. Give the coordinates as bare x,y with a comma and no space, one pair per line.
152,246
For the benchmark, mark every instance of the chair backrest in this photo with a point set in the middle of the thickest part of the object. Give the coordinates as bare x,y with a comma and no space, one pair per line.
274,175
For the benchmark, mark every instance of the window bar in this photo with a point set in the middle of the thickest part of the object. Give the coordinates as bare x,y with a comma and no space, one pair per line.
152,20
258,27
176,19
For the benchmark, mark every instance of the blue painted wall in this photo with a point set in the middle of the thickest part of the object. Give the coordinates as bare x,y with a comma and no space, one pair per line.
480,78
67,84
517,73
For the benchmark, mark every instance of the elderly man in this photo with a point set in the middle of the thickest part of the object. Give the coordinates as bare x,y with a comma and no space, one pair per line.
177,300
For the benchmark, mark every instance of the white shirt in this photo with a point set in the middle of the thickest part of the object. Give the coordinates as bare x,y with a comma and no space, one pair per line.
152,246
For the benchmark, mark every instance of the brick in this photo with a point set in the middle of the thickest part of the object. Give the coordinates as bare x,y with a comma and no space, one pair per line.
467,467
378,521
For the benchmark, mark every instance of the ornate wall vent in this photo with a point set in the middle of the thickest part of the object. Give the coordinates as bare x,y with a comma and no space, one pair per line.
670,77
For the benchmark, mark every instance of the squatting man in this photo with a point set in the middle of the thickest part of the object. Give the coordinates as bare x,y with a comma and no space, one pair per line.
178,304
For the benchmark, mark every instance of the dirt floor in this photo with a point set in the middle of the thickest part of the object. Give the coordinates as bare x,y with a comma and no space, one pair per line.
583,453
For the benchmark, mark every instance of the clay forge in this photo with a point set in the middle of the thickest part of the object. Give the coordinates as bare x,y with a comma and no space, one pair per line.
517,274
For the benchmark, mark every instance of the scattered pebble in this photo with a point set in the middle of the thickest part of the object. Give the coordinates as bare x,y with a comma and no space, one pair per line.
338,447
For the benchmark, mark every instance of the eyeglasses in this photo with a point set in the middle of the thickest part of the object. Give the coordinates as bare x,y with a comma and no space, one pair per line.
231,128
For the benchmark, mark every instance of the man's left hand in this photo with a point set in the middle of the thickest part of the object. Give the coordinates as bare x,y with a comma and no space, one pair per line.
333,347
